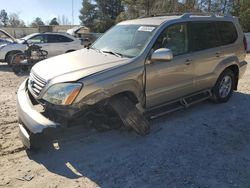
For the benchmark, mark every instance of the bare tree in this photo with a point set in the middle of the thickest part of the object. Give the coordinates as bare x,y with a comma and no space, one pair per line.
4,17
37,22
15,21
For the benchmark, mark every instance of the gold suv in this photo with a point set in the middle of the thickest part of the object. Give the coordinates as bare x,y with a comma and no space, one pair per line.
140,68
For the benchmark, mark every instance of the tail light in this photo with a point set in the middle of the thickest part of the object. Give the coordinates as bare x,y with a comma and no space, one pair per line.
245,43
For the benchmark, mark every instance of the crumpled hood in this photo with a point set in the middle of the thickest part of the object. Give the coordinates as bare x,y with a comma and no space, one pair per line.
76,65
7,36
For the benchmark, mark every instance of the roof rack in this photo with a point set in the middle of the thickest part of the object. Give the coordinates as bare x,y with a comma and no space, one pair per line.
161,14
185,15
189,14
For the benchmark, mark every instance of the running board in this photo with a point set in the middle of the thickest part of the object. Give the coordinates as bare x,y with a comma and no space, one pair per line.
172,106
196,98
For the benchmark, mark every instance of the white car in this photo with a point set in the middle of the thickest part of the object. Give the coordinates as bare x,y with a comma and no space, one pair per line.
54,43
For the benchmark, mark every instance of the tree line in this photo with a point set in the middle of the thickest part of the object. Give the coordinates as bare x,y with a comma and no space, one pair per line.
100,15
13,20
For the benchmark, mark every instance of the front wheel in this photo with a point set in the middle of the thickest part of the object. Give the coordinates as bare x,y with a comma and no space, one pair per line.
224,87
16,62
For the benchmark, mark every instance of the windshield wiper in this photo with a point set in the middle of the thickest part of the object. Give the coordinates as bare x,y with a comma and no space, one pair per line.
94,49
111,52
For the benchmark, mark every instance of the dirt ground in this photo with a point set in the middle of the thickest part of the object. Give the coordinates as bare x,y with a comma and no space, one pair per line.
207,145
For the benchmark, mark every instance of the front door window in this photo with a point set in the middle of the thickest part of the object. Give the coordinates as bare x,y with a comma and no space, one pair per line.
175,37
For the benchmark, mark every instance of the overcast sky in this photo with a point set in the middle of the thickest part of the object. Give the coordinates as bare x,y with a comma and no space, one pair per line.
28,10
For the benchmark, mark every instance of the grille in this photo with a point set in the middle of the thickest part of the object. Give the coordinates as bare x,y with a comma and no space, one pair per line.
36,84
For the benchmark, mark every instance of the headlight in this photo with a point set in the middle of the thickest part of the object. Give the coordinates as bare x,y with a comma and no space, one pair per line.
62,94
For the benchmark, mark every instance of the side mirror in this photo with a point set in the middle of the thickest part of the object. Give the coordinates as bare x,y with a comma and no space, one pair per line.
161,55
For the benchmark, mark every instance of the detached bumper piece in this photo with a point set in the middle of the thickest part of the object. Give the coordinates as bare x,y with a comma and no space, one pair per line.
130,115
31,123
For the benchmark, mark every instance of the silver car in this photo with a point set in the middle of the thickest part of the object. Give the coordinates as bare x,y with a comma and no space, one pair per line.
54,43
140,68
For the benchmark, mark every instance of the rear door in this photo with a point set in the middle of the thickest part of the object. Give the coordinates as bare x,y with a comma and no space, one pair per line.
58,44
166,81
206,52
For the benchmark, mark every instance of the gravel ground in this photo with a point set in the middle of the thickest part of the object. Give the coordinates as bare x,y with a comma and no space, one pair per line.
207,145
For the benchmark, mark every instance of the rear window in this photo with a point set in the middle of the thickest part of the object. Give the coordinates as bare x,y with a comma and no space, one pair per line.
204,35
228,32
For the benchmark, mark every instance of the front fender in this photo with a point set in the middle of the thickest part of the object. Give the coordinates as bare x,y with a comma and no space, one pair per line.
103,85
128,86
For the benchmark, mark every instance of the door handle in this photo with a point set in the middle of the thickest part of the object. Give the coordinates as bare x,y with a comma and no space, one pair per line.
188,61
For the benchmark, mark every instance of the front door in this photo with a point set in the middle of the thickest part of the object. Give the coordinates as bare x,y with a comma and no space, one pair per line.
40,40
166,81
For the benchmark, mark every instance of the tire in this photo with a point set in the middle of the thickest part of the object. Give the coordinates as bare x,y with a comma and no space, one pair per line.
130,115
15,62
9,59
10,56
224,86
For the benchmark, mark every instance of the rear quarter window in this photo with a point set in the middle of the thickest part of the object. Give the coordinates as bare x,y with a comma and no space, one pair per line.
227,32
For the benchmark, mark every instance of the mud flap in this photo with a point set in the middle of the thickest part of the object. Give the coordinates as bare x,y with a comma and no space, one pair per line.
129,114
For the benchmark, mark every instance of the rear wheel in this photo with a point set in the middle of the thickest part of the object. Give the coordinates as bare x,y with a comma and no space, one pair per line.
224,86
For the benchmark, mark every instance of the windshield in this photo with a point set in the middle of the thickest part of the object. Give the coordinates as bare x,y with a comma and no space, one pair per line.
125,40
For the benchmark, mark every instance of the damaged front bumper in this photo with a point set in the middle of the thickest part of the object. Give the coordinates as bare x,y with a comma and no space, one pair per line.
31,122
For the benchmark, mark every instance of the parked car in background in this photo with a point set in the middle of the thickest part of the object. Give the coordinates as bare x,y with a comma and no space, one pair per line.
140,68
54,43
78,30
84,34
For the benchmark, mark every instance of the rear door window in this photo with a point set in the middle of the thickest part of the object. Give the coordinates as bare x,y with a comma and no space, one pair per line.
227,32
58,39
204,35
